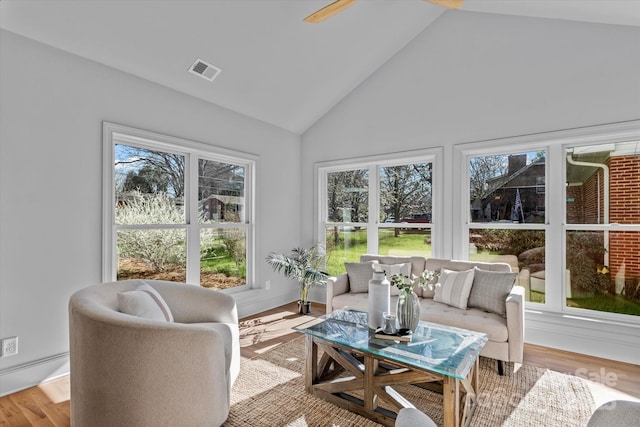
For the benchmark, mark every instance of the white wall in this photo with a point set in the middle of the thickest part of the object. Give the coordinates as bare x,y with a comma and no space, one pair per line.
51,111
473,77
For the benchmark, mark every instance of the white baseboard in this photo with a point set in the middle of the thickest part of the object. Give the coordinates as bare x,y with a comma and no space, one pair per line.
256,301
608,340
30,374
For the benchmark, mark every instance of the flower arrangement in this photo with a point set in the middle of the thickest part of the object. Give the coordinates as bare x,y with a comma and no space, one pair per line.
404,284
408,307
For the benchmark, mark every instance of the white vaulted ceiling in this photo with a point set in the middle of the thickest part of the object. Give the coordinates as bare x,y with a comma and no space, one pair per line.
275,67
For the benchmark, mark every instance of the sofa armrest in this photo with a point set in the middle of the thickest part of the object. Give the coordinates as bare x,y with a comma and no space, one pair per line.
336,286
515,323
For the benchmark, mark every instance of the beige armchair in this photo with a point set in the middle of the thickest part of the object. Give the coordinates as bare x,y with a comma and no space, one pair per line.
131,371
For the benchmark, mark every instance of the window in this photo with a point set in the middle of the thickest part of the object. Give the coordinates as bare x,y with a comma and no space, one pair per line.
177,210
384,206
602,231
540,185
507,214
563,209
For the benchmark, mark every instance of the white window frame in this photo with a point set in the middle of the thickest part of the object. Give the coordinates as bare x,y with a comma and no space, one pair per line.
605,227
555,144
373,163
465,154
193,151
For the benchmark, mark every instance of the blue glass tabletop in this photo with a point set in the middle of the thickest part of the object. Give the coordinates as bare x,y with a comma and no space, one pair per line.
438,348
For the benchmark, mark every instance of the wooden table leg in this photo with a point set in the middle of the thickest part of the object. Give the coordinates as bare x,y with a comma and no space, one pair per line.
475,376
451,402
311,363
370,397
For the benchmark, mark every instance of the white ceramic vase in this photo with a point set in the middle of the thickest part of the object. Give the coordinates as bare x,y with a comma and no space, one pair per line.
379,299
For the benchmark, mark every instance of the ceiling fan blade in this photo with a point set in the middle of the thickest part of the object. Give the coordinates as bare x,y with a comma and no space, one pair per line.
328,11
451,4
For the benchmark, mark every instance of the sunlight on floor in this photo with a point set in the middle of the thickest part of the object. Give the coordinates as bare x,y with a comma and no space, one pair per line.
259,376
56,390
267,348
300,422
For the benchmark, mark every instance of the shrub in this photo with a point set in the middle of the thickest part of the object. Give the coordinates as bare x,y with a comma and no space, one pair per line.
158,248
585,253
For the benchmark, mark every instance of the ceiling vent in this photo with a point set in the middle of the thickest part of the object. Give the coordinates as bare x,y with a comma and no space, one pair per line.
204,70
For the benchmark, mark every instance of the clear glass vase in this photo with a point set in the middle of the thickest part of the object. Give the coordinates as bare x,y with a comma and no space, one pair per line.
408,310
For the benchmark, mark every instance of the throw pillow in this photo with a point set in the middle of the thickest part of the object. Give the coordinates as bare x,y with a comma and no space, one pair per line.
490,289
359,275
453,287
391,269
145,302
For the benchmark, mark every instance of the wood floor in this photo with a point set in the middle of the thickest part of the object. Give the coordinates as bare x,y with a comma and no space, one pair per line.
48,404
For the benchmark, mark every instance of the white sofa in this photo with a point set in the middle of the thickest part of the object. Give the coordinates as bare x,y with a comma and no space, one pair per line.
506,334
127,370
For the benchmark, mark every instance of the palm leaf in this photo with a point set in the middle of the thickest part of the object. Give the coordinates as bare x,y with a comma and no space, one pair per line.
303,265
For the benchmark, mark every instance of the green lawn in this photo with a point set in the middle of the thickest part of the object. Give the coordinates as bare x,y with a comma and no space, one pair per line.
536,297
218,259
608,303
225,265
352,244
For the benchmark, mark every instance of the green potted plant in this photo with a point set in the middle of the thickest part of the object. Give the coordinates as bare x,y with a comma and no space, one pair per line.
303,265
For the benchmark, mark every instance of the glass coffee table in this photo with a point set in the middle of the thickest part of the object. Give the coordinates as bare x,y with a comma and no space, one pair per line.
356,369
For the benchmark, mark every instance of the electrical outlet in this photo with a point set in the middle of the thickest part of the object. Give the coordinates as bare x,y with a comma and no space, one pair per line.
9,346
267,284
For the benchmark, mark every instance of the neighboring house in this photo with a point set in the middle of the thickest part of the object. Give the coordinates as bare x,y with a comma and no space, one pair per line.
219,207
523,181
588,203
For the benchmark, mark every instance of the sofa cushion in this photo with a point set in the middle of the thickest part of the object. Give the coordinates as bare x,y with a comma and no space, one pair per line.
435,264
145,302
359,275
391,269
453,287
472,319
353,301
490,289
417,264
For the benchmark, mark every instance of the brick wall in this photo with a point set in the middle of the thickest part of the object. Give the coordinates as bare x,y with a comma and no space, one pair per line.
624,208
575,208
624,192
587,199
624,251
591,199
624,189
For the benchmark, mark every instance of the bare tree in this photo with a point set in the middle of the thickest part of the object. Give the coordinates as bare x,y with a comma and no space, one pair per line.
481,171
405,191
170,166
347,195
216,178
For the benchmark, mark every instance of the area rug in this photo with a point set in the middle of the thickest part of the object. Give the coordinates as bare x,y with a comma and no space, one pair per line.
270,392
